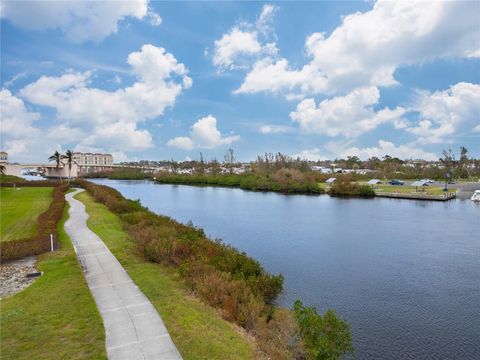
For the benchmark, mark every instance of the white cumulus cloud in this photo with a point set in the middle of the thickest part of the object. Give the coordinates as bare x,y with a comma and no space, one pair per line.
109,119
16,120
388,148
233,44
444,112
79,20
204,134
275,129
349,115
310,154
367,48
235,48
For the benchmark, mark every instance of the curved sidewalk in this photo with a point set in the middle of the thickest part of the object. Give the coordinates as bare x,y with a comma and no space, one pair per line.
134,329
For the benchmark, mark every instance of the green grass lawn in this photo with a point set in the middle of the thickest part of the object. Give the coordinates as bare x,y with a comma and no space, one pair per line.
197,329
20,209
55,317
430,190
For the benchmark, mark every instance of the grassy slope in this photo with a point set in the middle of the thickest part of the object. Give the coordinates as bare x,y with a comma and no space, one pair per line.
197,330
55,317
20,210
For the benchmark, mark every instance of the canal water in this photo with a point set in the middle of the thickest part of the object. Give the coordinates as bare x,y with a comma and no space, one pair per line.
405,274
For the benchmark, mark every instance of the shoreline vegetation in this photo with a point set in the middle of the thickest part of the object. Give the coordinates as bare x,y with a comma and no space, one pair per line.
197,329
230,281
285,174
284,181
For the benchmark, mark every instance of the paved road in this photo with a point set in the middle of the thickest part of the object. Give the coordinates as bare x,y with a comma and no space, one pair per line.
466,190
134,330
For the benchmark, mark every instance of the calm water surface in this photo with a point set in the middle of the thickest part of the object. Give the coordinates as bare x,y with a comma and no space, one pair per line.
405,274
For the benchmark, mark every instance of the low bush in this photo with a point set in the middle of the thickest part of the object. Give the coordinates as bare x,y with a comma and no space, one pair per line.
279,337
46,225
343,186
324,337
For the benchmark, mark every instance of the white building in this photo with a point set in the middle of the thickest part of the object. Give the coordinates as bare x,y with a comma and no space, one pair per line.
3,157
83,159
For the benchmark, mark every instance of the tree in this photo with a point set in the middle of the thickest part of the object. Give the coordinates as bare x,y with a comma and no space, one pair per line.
57,157
2,169
353,162
325,337
201,165
463,155
69,157
448,160
462,170
229,159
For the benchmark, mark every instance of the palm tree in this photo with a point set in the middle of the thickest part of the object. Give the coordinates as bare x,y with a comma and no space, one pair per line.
57,157
69,157
2,169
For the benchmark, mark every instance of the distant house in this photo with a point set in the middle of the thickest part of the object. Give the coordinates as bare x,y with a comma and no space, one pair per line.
331,180
363,171
374,182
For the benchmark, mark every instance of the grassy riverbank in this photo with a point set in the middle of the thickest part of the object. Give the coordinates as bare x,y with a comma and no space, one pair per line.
55,317
198,330
222,277
20,209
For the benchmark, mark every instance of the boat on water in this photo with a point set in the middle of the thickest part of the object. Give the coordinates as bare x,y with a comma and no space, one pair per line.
476,196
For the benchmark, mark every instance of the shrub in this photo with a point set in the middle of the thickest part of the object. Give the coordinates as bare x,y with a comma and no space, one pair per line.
279,336
343,186
324,337
366,191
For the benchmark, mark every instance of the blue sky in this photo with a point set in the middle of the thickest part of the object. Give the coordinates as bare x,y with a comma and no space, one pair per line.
164,80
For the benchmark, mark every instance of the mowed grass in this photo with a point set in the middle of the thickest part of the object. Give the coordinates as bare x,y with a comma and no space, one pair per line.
197,329
20,208
55,317
431,190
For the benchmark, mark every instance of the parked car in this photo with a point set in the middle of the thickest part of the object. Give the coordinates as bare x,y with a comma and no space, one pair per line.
429,181
396,182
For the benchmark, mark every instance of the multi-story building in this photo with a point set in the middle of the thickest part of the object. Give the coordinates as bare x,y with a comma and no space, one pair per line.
3,157
87,159
88,162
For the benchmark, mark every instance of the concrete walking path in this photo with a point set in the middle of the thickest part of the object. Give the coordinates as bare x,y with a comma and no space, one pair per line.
134,329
